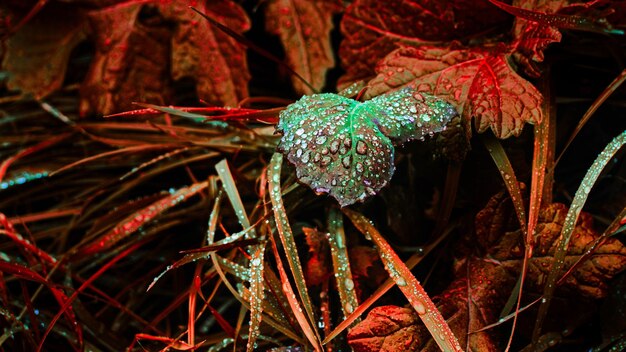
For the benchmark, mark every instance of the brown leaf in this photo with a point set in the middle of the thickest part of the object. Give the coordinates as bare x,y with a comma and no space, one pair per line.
136,45
130,63
215,60
372,28
482,285
318,267
367,269
480,84
387,329
36,56
303,27
505,244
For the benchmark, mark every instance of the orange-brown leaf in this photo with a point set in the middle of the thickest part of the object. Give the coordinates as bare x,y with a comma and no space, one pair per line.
303,27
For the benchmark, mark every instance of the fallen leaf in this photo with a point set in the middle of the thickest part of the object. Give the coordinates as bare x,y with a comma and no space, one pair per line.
387,329
36,56
318,267
136,45
367,270
372,29
304,27
480,289
200,51
479,83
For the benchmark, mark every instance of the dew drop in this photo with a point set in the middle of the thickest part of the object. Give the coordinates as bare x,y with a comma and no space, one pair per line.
320,139
256,261
361,147
346,161
334,146
359,167
400,281
349,308
300,131
349,284
419,308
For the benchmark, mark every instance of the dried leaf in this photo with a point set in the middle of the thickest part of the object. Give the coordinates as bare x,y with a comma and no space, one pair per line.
215,60
391,328
372,28
480,84
318,266
387,329
37,55
488,280
130,63
344,148
304,29
501,240
136,46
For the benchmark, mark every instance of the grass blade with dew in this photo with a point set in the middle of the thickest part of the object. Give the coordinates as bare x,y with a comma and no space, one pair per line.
136,220
569,224
386,286
541,153
257,288
4,166
25,273
286,236
341,263
494,147
408,284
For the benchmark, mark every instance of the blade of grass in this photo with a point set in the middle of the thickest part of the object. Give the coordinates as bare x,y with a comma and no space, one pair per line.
257,294
386,286
408,284
569,224
508,176
133,222
4,166
540,160
341,263
286,236
304,323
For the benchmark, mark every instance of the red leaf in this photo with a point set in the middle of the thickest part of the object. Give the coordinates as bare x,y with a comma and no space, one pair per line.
480,84
372,28
304,29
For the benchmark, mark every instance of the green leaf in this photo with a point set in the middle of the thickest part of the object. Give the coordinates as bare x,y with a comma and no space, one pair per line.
346,148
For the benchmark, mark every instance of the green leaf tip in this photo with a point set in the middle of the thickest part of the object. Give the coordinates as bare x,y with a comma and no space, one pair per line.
345,148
